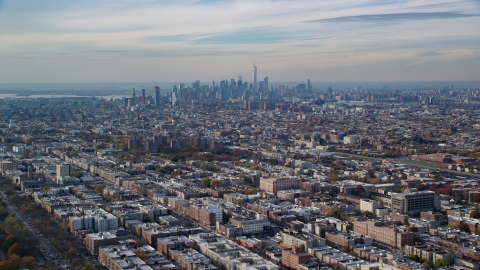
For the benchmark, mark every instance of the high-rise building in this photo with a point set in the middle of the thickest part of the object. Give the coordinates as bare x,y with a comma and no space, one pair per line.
240,82
134,98
156,95
196,84
329,91
265,84
415,201
143,95
254,77
174,95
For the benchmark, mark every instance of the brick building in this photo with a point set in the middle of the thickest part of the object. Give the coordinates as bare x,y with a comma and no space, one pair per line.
206,215
431,216
95,240
292,258
383,233
272,185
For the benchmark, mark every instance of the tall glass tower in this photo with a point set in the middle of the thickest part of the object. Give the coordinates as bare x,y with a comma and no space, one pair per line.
254,76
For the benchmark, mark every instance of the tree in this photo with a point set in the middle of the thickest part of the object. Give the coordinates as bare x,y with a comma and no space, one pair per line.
428,264
250,191
440,263
87,266
99,188
476,197
29,262
353,254
8,265
214,183
359,188
245,177
206,182
15,250
333,177
419,186
335,212
336,267
71,253
464,227
475,214
413,257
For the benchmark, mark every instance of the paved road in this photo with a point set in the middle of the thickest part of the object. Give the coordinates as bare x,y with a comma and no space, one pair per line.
42,242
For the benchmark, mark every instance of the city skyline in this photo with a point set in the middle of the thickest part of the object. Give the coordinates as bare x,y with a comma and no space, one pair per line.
122,41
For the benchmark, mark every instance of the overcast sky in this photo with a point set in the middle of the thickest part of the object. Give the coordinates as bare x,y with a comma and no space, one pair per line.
174,40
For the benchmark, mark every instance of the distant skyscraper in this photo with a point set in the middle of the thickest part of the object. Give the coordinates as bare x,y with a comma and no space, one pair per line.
196,84
143,96
265,84
254,77
134,98
240,82
174,95
156,95
329,91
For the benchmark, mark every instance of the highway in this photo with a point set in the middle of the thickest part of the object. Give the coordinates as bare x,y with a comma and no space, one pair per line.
43,244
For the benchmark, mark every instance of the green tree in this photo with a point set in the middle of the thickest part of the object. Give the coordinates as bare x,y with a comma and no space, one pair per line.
206,182
87,266
440,263
335,212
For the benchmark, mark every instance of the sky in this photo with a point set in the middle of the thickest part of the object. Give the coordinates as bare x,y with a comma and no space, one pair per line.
289,40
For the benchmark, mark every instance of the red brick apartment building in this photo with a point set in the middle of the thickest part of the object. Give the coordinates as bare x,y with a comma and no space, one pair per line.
385,234
292,259
272,185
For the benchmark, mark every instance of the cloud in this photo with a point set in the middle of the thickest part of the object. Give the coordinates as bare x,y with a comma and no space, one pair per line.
426,54
248,36
398,17
231,32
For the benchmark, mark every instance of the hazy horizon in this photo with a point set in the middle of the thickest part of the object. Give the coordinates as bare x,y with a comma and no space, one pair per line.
127,86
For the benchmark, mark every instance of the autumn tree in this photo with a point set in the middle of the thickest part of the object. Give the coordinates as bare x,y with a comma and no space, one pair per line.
463,227
29,262
70,254
15,250
214,183
99,188
476,197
